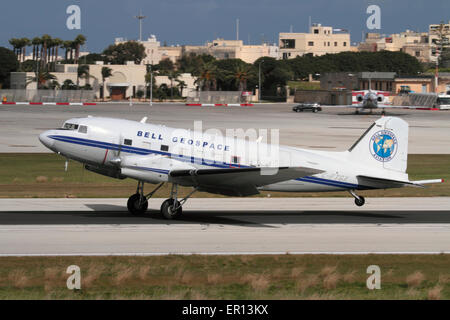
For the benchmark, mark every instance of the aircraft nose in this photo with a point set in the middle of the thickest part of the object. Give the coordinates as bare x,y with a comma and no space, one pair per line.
46,140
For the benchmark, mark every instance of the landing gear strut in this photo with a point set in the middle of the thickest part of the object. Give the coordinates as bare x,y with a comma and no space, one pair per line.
359,200
138,203
172,208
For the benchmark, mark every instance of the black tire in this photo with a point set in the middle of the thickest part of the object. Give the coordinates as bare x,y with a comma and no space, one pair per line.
314,110
166,210
134,207
360,202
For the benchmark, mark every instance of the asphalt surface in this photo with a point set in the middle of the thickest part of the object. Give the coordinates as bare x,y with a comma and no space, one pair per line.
103,227
332,129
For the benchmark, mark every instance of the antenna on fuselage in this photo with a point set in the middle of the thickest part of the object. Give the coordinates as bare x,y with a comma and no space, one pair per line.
144,120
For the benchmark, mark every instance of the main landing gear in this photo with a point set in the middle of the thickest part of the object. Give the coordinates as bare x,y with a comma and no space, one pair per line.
359,200
170,208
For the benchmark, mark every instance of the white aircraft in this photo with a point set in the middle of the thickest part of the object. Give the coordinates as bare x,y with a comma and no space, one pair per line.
370,100
157,154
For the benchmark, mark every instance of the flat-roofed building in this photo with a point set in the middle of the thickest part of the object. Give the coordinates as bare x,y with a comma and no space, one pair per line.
319,41
234,49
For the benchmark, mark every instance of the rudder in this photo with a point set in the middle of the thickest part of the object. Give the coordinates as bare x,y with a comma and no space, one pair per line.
384,145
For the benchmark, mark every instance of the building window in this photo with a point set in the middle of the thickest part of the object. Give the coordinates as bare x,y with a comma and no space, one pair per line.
311,43
287,43
328,43
345,44
285,55
417,53
316,31
335,44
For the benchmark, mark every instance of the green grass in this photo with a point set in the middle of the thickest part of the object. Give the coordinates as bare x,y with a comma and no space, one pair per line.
42,175
227,277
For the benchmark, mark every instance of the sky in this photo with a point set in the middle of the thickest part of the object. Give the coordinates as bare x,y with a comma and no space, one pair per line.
198,21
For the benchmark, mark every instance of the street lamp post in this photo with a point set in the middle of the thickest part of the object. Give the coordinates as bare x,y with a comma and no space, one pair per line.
259,81
151,87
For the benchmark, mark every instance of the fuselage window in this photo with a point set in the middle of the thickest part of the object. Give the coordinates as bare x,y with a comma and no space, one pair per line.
164,147
70,126
235,159
128,142
82,129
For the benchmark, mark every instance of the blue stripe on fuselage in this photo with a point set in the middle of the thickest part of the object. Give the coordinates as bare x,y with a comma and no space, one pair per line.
142,151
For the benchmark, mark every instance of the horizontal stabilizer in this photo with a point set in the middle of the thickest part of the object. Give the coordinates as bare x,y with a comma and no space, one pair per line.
381,183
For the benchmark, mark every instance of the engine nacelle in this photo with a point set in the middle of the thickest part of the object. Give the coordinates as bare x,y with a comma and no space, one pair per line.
113,173
359,98
380,98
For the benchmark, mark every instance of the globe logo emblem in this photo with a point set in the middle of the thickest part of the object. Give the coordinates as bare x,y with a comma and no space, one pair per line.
383,145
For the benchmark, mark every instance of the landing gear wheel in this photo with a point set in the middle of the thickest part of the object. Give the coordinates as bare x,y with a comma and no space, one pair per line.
360,201
167,209
136,206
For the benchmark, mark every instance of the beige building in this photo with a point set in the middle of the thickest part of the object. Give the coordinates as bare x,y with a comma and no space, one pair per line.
125,81
319,41
234,49
411,42
421,45
219,48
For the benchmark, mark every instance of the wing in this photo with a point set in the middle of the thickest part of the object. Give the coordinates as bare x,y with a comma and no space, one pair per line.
237,181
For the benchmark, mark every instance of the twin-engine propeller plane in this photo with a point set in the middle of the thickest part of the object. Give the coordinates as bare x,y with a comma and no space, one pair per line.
157,154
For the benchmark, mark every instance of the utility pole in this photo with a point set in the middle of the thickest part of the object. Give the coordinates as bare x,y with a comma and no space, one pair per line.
237,29
140,17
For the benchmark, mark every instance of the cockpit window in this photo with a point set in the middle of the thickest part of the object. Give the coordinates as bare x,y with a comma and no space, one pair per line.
70,126
82,129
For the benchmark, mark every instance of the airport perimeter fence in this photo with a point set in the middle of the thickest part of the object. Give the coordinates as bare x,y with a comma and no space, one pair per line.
43,95
215,97
415,99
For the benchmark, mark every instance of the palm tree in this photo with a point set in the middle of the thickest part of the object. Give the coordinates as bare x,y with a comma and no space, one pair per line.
106,73
46,39
79,41
23,44
66,45
15,44
207,77
181,85
172,75
40,78
57,42
82,72
241,74
36,42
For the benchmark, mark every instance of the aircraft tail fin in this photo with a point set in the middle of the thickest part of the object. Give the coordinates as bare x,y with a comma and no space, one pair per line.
384,145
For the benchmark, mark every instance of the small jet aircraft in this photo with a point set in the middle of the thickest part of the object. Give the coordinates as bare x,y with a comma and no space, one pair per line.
222,165
371,100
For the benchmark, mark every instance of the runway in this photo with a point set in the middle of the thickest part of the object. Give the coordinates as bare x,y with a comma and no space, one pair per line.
333,129
225,226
